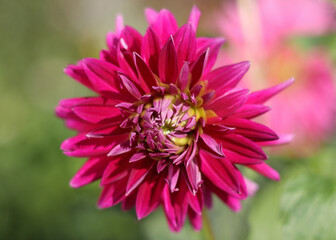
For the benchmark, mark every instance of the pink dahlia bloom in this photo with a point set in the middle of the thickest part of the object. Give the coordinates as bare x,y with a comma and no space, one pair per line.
165,129
259,31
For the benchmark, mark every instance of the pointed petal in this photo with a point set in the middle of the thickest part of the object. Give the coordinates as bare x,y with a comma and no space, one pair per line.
195,219
168,68
227,77
117,169
92,170
197,67
261,96
185,43
220,172
149,197
112,194
138,156
229,102
242,145
213,44
194,175
249,111
194,17
184,76
251,130
138,173
266,171
151,50
212,144
120,149
283,139
146,77
130,86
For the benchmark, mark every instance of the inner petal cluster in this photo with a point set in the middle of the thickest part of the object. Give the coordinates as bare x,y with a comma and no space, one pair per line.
165,123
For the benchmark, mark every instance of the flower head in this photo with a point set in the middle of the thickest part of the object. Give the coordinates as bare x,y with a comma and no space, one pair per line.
166,129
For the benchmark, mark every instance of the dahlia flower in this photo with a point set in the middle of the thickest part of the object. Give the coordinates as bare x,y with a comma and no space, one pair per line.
164,128
260,31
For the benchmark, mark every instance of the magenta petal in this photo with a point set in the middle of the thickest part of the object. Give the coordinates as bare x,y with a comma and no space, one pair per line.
132,39
146,77
92,170
120,149
212,144
172,177
220,172
237,158
261,96
138,173
195,219
148,197
194,175
283,139
138,156
151,50
78,73
168,68
117,169
227,77
197,67
112,194
165,25
196,202
96,113
151,15
213,44
242,145
194,17
251,130
185,43
184,76
130,86
265,170
229,102
249,111
81,146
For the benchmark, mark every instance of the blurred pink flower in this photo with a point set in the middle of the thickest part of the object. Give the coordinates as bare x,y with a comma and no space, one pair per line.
260,31
165,129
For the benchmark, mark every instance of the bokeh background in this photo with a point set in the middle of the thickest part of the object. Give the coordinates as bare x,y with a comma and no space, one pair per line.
38,39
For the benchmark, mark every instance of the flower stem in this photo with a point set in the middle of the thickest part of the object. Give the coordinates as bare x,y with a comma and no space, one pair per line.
207,229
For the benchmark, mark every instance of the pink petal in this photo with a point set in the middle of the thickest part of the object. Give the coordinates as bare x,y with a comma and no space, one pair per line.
138,156
212,144
283,139
132,38
194,175
227,77
130,86
242,145
78,73
117,169
261,96
197,67
251,130
213,44
220,172
196,202
184,76
96,113
194,17
112,194
81,146
138,173
229,102
265,170
92,170
151,50
164,25
185,42
146,77
249,111
149,197
195,219
168,68
120,149
172,177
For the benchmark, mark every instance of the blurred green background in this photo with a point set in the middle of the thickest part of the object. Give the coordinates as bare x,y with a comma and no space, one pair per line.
38,39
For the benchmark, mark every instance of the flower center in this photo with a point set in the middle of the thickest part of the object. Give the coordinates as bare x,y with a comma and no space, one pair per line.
165,123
